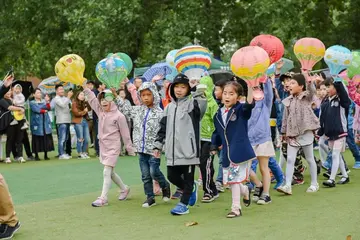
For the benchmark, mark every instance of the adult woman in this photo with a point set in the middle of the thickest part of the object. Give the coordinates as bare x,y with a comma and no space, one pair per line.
79,111
13,130
40,125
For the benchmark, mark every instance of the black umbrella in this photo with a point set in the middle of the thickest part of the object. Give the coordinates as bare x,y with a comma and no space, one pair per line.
27,87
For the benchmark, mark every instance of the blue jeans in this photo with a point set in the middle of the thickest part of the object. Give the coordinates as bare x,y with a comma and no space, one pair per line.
219,177
150,170
62,137
82,135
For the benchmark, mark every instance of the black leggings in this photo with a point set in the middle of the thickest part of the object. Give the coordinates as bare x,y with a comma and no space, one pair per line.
14,137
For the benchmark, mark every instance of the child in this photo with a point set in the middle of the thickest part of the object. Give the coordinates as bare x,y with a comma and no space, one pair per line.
333,125
299,122
146,119
112,127
206,131
19,101
218,91
231,131
180,126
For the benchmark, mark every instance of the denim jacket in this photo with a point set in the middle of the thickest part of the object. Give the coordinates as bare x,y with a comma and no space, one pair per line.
38,116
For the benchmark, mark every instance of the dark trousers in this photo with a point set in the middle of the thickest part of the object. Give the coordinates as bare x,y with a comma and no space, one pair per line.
14,137
26,143
68,141
207,169
186,183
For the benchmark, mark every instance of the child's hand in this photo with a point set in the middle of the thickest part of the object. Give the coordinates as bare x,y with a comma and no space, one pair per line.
132,154
113,91
157,78
157,153
8,80
213,153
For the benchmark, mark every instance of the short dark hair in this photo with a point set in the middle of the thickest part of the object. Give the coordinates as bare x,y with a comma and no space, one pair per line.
300,79
221,83
237,86
329,81
57,86
90,82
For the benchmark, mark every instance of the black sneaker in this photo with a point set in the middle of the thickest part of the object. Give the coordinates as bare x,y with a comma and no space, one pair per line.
149,202
263,200
166,194
327,174
257,193
329,183
344,180
340,174
10,231
2,228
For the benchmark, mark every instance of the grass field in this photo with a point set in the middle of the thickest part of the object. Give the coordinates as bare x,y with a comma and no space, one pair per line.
53,200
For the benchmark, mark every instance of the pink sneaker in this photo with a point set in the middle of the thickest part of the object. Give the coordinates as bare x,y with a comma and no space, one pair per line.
100,202
124,194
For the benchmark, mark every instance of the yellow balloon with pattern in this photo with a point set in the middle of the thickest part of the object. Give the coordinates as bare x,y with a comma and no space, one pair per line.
70,68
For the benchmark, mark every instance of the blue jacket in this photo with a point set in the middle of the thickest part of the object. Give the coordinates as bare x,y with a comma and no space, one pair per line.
259,122
279,106
351,115
37,118
233,135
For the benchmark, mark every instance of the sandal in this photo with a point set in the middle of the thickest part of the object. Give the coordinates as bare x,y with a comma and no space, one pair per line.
247,202
233,214
207,198
313,188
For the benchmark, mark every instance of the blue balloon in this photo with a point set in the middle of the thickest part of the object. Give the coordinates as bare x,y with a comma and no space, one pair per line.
271,69
337,58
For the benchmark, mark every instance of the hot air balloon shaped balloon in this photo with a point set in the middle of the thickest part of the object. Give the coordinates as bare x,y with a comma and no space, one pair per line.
125,58
271,44
356,79
70,68
193,61
170,57
111,71
250,63
354,68
309,51
337,58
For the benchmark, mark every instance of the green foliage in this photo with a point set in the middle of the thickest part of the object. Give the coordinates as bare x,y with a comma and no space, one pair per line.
35,34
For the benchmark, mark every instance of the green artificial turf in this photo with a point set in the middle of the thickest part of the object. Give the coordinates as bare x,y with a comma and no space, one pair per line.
53,200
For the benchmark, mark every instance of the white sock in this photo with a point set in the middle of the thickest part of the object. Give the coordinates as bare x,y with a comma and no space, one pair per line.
117,180
323,149
309,155
107,182
343,168
335,163
244,190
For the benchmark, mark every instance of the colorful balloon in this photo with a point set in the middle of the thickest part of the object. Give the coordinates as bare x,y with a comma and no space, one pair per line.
125,58
337,58
309,51
271,44
356,79
193,61
70,68
170,57
111,71
354,68
250,63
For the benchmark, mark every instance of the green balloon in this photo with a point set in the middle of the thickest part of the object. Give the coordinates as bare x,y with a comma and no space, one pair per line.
125,58
354,68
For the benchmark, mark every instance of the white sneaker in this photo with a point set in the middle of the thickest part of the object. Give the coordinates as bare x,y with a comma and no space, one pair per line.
313,188
285,189
68,156
83,156
21,160
7,160
64,156
86,155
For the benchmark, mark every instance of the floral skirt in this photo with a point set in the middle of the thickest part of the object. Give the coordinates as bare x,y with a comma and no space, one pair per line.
236,173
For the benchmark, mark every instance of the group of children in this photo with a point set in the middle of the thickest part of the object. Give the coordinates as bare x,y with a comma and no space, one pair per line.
201,120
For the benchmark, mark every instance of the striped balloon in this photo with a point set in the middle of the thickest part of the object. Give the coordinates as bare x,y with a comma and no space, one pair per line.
193,61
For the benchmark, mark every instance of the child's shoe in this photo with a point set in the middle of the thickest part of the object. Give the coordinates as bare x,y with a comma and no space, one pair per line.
25,126
285,189
7,160
177,194
194,195
356,165
149,202
100,202
207,198
257,193
124,194
219,187
344,180
13,122
313,188
21,160
264,200
180,209
166,192
234,214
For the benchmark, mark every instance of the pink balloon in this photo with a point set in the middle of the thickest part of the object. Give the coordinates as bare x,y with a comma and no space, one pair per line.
344,76
356,79
263,79
309,51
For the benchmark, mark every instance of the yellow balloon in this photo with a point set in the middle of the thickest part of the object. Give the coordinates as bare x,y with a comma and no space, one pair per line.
70,68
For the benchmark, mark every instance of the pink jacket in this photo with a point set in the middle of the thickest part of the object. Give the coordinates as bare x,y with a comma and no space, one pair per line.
112,127
356,98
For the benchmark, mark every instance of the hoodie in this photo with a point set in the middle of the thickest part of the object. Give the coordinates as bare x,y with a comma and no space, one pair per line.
146,120
180,126
112,127
207,122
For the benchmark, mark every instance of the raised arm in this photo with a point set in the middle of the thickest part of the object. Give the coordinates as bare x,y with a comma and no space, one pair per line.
268,94
132,89
125,107
345,101
310,91
93,101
